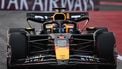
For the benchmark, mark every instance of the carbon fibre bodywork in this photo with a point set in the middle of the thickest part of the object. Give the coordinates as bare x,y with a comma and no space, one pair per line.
60,42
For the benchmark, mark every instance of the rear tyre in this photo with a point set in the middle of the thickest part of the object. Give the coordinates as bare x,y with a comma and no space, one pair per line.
16,48
105,43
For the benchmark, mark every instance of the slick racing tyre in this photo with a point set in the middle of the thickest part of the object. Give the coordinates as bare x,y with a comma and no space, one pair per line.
105,49
16,47
20,30
107,67
93,29
102,28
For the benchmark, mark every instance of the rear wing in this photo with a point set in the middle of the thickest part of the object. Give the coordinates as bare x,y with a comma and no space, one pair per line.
43,17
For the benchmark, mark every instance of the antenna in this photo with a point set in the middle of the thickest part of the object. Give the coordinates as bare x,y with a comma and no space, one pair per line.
59,9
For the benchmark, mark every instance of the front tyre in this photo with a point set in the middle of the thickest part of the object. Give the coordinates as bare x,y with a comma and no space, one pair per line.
17,46
105,43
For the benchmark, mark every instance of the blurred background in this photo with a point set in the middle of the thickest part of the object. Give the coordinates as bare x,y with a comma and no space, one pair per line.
111,5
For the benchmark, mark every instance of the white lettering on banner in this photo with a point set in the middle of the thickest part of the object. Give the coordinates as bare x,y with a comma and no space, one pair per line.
88,2
38,3
3,4
53,4
47,5
85,5
70,4
14,2
78,5
92,4
23,4
63,3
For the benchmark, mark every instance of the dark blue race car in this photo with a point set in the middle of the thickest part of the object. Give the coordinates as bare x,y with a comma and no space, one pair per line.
60,43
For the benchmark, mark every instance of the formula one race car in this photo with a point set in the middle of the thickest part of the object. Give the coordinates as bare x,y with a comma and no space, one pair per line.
60,43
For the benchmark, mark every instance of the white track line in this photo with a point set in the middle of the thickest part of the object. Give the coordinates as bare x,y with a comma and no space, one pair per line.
119,57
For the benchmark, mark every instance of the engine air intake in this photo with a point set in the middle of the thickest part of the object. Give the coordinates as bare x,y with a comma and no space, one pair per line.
59,16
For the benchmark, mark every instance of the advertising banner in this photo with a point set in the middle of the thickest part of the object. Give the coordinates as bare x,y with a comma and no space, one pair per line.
48,5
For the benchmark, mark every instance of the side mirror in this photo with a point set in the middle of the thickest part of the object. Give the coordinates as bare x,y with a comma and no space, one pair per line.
39,19
36,18
78,18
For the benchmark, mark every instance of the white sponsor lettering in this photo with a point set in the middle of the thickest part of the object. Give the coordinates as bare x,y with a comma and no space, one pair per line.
14,2
64,3
53,4
47,5
70,4
88,3
35,59
92,4
78,5
89,59
85,5
23,4
38,3
3,4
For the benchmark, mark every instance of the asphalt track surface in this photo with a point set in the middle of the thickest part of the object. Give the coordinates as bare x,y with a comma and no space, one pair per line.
9,19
